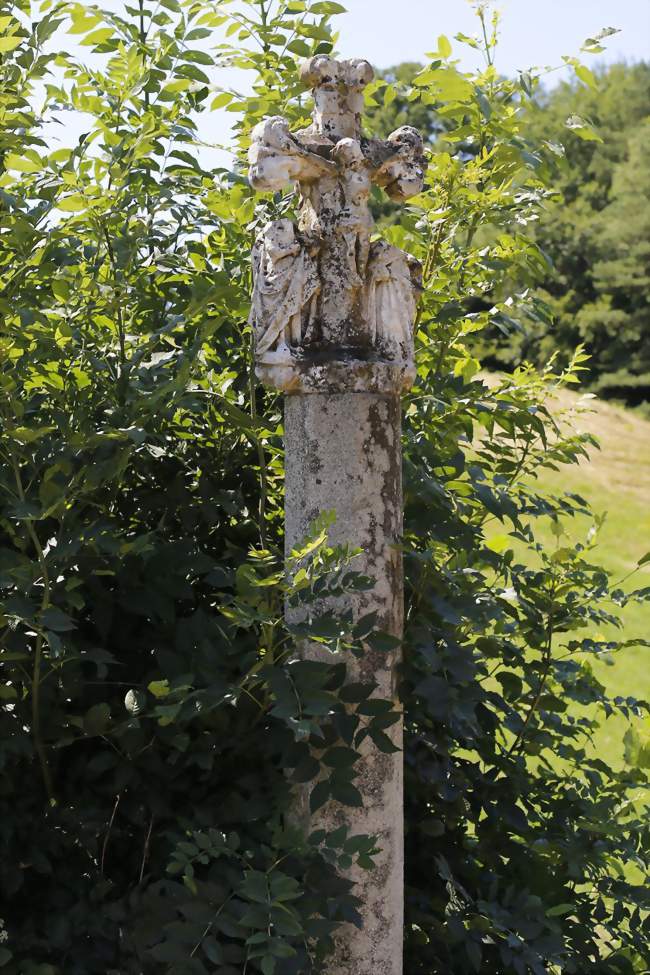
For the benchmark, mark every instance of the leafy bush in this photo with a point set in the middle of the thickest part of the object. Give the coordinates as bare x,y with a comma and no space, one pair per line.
150,703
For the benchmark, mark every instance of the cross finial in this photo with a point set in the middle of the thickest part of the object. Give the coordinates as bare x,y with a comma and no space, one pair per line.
337,87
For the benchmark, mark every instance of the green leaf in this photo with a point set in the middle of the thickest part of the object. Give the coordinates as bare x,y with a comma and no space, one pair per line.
560,909
586,75
299,47
498,543
61,289
383,742
198,57
637,747
159,688
511,683
447,82
167,713
255,887
377,707
355,692
169,951
256,916
327,7
22,164
268,964
25,435
582,128
82,22
644,560
307,770
347,794
98,37
10,43
97,719
212,950
73,203
444,46
319,795
526,82
174,87
593,46
383,642
340,757
55,619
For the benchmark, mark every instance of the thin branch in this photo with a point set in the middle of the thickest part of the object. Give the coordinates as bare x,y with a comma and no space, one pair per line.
209,926
547,660
108,833
145,852
38,647
264,483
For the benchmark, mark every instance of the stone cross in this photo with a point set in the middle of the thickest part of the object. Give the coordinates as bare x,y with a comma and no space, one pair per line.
332,316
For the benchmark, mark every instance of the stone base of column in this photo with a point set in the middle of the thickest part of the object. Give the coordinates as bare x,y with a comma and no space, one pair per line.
297,375
343,454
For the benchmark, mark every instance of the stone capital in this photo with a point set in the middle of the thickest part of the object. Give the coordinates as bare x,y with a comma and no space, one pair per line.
305,377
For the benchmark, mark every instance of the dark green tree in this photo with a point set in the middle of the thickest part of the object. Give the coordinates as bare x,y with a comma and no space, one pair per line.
595,232
153,714
391,106
619,320
598,217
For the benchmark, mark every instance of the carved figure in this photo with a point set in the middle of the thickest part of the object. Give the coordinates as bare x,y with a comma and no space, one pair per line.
286,284
401,174
326,293
355,221
276,158
391,300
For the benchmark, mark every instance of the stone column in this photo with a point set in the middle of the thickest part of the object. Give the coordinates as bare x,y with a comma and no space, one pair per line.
343,453
332,320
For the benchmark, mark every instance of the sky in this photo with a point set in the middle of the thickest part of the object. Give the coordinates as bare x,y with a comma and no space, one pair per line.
534,33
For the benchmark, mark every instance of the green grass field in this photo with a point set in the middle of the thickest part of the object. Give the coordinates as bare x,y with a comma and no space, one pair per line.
616,480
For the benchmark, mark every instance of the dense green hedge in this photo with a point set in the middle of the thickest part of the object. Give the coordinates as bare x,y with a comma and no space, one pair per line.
148,709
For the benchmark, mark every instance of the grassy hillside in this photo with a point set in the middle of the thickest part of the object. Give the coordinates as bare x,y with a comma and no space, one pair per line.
616,481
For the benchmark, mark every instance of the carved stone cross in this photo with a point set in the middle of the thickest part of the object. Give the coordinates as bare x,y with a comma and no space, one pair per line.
324,291
332,317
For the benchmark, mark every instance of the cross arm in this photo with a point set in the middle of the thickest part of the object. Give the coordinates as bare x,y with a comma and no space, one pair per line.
399,164
276,158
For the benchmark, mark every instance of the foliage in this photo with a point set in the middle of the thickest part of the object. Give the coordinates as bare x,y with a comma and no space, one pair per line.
151,702
390,105
597,232
145,681
593,230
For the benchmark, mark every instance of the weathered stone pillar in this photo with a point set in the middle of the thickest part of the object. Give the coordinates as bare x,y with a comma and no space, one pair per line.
332,318
343,453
